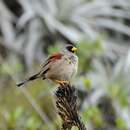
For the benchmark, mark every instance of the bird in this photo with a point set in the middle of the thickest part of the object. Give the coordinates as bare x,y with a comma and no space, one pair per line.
60,67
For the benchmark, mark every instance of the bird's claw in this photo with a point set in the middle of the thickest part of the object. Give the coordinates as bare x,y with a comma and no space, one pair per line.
62,82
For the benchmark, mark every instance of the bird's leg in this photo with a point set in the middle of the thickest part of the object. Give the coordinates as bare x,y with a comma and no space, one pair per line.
66,58
62,82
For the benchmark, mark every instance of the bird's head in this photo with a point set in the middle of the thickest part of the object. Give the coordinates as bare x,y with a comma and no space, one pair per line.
71,48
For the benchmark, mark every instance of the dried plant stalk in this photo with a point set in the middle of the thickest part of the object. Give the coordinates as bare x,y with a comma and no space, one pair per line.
66,102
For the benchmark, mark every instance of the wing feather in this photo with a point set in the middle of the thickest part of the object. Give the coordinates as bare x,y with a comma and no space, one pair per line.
52,58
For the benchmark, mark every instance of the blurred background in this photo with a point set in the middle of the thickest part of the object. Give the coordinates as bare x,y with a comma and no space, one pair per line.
32,29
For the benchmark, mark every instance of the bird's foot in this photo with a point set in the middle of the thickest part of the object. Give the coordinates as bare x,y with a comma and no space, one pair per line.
62,82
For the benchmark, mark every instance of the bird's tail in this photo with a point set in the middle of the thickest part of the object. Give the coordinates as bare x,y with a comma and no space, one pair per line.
33,77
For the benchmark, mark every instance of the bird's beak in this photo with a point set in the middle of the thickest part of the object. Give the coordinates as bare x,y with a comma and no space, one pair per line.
74,49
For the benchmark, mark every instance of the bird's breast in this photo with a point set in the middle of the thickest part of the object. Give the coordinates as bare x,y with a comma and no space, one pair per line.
62,69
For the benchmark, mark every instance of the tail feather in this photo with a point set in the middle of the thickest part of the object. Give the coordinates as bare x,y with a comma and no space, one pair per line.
21,83
29,79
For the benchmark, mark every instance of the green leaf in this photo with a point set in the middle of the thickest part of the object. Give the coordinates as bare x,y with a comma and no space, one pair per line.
74,128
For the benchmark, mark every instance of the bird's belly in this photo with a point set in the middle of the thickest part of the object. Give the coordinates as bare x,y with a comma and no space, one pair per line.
61,72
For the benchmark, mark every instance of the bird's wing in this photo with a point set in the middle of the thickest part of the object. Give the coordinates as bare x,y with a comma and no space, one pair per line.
52,58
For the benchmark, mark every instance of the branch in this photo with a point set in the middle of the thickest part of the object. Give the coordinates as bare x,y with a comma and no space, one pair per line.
66,103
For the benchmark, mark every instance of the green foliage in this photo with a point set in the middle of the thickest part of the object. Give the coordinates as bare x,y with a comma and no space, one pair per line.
120,124
32,123
13,117
11,68
74,128
20,118
88,50
86,82
92,113
55,48
116,91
